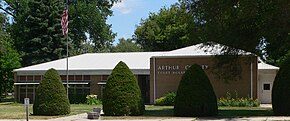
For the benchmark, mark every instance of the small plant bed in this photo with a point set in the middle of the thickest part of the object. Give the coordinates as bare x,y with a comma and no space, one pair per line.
236,101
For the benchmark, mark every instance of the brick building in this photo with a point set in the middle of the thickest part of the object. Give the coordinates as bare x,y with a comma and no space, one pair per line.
156,72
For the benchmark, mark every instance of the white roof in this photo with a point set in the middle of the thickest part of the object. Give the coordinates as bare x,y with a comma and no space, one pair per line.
95,61
103,63
265,66
200,50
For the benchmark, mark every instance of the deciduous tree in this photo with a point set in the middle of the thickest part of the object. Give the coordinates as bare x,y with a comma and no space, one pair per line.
126,45
169,29
9,59
257,26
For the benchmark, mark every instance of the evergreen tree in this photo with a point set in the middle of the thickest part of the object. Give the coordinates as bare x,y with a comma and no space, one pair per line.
50,97
122,95
281,90
195,95
37,31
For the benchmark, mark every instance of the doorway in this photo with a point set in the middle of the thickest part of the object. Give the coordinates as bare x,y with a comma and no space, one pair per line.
143,82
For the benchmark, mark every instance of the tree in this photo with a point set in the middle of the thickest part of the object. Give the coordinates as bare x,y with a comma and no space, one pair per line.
37,32
258,26
195,95
281,90
169,29
122,95
9,59
88,22
126,46
50,97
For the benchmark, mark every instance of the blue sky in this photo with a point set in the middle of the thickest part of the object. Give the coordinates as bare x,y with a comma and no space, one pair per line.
128,14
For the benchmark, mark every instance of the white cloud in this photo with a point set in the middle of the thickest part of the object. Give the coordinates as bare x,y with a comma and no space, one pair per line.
125,6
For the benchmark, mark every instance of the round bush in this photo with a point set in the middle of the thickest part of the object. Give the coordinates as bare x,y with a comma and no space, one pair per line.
281,90
195,95
51,98
122,95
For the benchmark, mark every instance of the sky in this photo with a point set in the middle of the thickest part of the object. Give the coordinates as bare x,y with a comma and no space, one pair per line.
128,14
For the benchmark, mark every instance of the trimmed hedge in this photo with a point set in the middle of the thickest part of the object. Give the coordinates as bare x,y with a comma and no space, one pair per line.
281,90
195,95
122,95
51,98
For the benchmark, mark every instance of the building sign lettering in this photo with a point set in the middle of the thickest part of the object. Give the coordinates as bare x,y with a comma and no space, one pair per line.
175,69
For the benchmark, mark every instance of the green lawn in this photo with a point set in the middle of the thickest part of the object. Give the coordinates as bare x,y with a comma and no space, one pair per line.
167,112
17,111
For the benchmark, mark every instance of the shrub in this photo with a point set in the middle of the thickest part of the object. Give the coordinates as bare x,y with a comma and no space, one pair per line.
122,95
93,100
281,90
166,100
237,102
51,98
77,98
195,95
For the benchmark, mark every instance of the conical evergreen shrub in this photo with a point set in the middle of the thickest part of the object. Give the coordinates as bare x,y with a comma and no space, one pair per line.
51,98
195,95
122,95
281,90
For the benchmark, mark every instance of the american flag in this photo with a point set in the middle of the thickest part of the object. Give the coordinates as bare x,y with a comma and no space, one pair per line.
64,22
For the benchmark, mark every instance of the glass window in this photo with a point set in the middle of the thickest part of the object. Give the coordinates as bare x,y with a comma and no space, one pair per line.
79,77
63,77
79,91
22,78
71,77
87,77
266,86
37,78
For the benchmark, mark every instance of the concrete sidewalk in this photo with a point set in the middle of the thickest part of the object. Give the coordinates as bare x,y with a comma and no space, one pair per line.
83,117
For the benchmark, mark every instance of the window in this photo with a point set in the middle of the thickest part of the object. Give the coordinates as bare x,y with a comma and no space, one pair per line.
79,77
87,77
266,86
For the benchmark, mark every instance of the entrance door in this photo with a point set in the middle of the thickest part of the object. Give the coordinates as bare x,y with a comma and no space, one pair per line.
143,81
266,84
266,92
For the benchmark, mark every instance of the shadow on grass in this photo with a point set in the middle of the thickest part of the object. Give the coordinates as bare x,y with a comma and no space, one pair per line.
159,113
224,112
232,112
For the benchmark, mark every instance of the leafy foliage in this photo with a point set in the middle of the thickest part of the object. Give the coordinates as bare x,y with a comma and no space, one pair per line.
93,100
237,102
50,97
195,95
36,28
9,59
122,95
88,22
166,100
126,46
281,90
258,26
168,29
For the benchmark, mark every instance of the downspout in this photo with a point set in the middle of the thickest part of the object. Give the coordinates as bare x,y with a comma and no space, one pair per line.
154,84
251,79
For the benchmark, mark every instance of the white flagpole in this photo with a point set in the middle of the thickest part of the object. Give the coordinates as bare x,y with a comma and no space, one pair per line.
66,7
